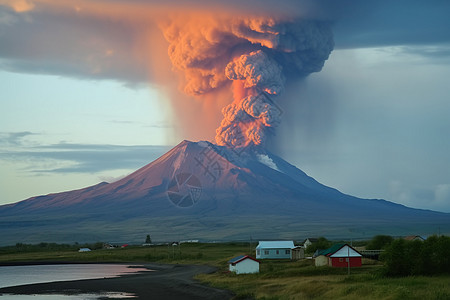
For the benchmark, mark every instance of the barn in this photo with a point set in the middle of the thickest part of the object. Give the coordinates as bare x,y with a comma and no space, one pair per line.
340,256
274,249
243,264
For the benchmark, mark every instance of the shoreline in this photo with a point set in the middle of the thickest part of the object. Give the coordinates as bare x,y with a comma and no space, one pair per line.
167,282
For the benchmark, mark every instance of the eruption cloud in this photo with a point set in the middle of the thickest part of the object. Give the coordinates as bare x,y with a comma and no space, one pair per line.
254,57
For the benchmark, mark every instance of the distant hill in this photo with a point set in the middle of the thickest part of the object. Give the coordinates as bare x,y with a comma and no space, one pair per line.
198,190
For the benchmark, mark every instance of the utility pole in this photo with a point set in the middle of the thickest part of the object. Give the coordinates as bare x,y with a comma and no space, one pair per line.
348,260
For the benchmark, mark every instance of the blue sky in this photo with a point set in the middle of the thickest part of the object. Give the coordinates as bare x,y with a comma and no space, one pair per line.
80,104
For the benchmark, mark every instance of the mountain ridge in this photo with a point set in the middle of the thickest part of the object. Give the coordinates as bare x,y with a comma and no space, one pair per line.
201,190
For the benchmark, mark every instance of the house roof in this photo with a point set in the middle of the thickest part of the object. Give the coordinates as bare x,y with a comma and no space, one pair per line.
331,250
335,249
240,258
413,237
312,240
275,245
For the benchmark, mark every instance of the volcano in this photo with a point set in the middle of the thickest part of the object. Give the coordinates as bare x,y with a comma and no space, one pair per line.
199,190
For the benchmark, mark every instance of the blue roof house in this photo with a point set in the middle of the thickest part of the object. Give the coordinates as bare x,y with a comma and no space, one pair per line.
274,250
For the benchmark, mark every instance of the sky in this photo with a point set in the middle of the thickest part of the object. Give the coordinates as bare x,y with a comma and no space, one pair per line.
88,93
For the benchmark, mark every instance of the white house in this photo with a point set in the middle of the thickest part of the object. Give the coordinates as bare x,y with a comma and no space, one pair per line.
274,250
84,250
243,264
309,241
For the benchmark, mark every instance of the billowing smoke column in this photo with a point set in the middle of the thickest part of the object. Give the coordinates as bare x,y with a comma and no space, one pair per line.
256,55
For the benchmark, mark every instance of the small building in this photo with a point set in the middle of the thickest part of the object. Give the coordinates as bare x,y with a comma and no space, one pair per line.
414,238
309,241
340,256
243,264
320,260
274,249
84,250
298,253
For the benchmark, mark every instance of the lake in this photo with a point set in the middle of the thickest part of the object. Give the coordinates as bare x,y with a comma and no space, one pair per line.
20,275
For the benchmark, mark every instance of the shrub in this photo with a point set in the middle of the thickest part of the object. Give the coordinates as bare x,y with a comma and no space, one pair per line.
322,243
406,258
379,242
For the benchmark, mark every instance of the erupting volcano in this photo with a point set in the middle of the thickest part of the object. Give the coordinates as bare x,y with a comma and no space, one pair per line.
238,63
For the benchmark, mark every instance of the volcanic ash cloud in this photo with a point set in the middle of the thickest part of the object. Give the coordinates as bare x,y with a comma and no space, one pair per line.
254,57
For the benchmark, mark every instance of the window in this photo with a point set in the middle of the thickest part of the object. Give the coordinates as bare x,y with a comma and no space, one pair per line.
341,259
266,252
257,252
288,251
346,260
278,252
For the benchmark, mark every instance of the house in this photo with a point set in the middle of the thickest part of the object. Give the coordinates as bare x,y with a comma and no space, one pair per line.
414,238
274,249
320,260
298,253
309,241
84,250
243,264
340,256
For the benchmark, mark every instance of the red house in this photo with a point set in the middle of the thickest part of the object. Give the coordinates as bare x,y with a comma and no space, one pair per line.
340,254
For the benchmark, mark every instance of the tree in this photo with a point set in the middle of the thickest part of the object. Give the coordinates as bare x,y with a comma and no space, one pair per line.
148,240
396,262
379,242
410,258
322,243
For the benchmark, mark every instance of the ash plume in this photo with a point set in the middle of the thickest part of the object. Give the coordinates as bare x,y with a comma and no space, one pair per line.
252,56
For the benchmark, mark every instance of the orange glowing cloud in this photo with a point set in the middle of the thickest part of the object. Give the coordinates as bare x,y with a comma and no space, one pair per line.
19,6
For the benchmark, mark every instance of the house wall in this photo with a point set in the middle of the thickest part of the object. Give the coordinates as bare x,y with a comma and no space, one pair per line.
321,260
298,253
246,266
341,262
306,244
281,253
232,267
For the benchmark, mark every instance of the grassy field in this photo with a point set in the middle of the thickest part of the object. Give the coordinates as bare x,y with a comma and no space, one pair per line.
302,280
190,253
276,280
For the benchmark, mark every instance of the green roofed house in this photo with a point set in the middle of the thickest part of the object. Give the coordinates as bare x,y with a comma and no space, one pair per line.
339,255
274,250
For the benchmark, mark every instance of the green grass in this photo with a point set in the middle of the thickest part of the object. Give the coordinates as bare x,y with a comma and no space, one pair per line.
195,253
276,280
301,280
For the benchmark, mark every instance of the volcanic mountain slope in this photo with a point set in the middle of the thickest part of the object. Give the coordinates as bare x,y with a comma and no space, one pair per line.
200,190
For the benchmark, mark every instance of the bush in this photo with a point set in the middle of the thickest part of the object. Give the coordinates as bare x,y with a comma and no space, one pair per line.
322,243
379,242
406,258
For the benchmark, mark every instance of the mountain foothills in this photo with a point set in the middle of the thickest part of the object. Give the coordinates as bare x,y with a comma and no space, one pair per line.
199,190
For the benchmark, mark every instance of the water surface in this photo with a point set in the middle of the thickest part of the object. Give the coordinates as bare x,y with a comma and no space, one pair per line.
20,275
